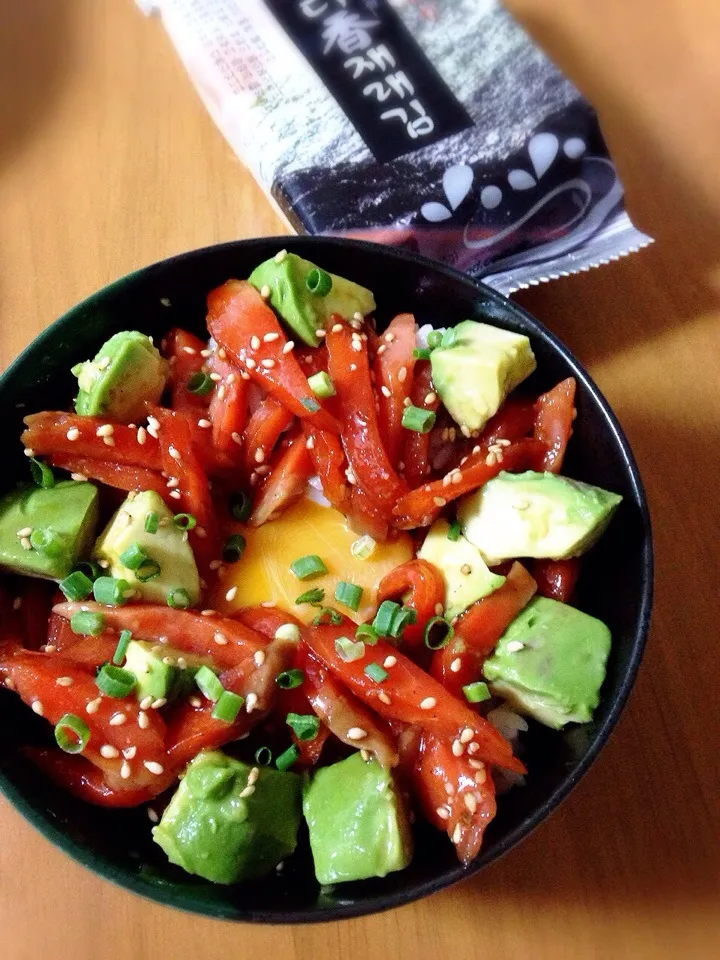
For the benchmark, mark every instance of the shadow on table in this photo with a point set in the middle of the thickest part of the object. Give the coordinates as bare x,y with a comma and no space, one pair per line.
35,51
643,826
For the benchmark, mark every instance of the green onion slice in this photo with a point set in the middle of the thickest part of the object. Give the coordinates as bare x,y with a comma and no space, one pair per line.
349,650
87,623
227,707
449,338
438,633
184,521
121,648
304,726
321,385
367,633
305,568
71,733
384,617
318,282
348,594
417,419
148,570
287,758
263,756
327,615
199,383
178,598
42,474
421,354
363,547
234,548
405,617
240,506
289,679
151,522
376,672
454,531
76,586
315,596
115,682
312,406
434,339
91,570
46,540
208,684
110,591
133,557
476,692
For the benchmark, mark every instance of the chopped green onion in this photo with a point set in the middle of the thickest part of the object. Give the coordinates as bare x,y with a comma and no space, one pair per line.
438,633
122,646
199,383
363,547
208,684
332,616
304,726
227,707
349,650
312,406
384,617
151,522
417,419
263,756
318,282
305,568
367,633
287,758
476,692
234,548
240,506
321,385
449,338
76,586
133,557
86,623
348,594
314,596
42,474
46,540
115,682
178,598
71,733
289,679
420,354
434,339
184,521
405,617
94,570
110,591
376,672
148,570
454,531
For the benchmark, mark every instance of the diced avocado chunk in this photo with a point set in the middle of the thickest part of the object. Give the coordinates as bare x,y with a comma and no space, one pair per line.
158,670
127,371
166,546
550,663
535,515
211,830
466,574
303,311
358,825
69,509
474,374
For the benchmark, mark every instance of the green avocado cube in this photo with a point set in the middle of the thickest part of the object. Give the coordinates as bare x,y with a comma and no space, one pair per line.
127,372
357,821
306,312
69,509
476,371
550,663
218,828
535,515
161,671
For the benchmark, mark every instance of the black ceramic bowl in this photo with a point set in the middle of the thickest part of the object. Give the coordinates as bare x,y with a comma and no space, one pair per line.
616,583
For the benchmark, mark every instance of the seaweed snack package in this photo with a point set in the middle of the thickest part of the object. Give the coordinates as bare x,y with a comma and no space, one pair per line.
436,125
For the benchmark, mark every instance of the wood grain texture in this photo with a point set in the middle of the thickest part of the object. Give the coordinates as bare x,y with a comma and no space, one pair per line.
108,162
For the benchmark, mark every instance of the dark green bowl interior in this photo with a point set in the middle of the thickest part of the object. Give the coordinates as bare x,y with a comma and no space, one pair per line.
616,582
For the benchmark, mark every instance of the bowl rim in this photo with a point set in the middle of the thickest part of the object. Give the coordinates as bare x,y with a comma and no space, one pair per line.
227,910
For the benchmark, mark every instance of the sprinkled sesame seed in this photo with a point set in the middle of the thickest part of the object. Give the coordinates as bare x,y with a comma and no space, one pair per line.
259,454
428,703
280,256
357,345
215,377
73,433
222,353
352,368
358,316
64,681
195,701
152,766
438,609
439,501
106,430
480,777
168,661
117,720
289,346
447,480
208,613
175,494
152,815
251,702
384,698
104,564
25,543
430,397
457,834
142,436
270,337
129,753
250,363
268,363
143,720
109,752
515,646
259,658
321,333
381,349
93,706
253,775
254,343
174,452
244,376
457,748
356,733
470,801
310,443
269,604
265,291
38,708
449,789
490,460
389,662
172,483
385,391
443,813
336,327
466,735
466,569
157,704
146,703
24,532
248,791
476,764
402,374
351,478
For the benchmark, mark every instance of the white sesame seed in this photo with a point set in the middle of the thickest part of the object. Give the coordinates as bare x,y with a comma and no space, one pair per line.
351,478
352,368
109,441
268,363
384,698
515,646
321,333
402,374
457,748
447,480
490,460
154,767
288,631
222,353
430,397
29,452
389,662
248,791
470,801
152,815
259,455
230,595
141,435
251,702
356,733
109,752
73,433
280,256
25,543
208,613
439,501
480,777
117,720
289,346
428,703
153,422
476,764
175,494
215,377
385,391
195,701
104,564
466,735
24,532
168,661
265,291
250,363
143,720
38,708
336,327
172,483
174,452
254,343
443,813
157,704
457,834
449,789
64,681
466,569
93,706
146,703
473,747
17,603
270,337
106,430
259,658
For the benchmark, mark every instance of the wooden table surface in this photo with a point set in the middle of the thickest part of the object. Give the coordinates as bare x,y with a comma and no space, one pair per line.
108,162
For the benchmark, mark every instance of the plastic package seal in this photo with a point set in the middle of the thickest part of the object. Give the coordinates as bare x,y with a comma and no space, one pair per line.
432,124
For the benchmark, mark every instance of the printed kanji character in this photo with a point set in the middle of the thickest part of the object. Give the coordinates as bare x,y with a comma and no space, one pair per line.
348,31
